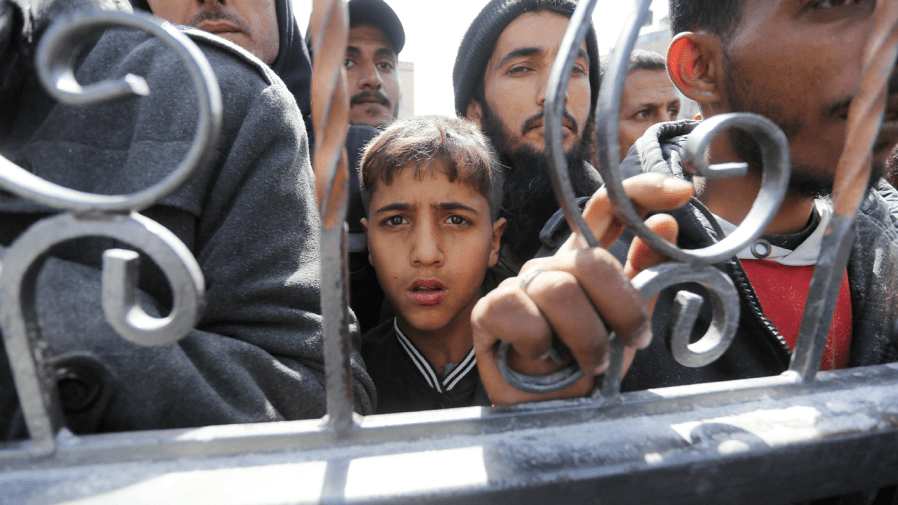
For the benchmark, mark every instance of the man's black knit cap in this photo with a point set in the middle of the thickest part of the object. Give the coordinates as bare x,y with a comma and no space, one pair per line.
480,40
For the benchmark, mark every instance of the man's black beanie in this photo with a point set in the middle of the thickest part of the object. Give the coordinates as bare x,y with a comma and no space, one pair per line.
480,40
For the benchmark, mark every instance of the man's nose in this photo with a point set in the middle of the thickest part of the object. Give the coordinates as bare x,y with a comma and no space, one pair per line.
370,77
544,89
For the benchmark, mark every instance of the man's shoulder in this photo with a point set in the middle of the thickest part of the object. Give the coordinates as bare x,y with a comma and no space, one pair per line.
222,52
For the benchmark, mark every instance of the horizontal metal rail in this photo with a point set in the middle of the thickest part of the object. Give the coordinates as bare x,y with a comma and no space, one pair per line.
767,440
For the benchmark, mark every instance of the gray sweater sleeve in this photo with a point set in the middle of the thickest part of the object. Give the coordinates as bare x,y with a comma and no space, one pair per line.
249,218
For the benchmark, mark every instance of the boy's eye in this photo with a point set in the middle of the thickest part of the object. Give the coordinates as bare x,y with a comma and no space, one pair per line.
457,220
394,221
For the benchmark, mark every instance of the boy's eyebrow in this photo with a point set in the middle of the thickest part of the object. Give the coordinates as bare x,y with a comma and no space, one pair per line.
393,207
454,206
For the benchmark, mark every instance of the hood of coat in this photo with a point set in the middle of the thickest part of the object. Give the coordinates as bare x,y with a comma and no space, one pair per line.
292,64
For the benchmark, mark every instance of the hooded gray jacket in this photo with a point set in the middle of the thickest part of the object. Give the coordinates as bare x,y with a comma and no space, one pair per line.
249,217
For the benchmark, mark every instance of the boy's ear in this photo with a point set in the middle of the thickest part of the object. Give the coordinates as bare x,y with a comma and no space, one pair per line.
474,113
364,222
694,64
498,228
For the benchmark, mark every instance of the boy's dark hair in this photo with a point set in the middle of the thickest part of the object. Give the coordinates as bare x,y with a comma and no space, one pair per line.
466,155
719,17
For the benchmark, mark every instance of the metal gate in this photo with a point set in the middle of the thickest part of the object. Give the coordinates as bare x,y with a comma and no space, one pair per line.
798,436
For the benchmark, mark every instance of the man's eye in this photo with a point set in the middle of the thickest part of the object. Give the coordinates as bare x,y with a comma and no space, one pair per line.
578,70
518,70
348,63
644,113
673,113
385,65
394,221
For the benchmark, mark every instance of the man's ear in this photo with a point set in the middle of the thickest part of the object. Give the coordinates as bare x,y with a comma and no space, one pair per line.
496,244
694,64
475,113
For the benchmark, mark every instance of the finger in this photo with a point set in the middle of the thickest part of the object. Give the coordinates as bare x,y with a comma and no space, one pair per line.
647,192
572,318
505,307
618,303
641,255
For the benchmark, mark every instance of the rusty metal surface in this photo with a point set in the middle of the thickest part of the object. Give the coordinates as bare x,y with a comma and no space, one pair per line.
330,117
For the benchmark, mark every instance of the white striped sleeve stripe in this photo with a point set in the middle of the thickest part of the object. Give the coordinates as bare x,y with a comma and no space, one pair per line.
460,371
419,360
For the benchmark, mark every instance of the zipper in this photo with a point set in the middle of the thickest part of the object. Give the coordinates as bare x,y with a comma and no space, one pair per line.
756,310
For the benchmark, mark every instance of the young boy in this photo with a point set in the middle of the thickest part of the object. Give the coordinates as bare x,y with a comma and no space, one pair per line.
432,191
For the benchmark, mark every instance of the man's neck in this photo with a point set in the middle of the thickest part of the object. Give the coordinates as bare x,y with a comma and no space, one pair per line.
449,344
732,198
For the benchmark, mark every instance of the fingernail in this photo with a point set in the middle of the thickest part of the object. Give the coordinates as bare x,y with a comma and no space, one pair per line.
676,184
552,354
602,366
645,336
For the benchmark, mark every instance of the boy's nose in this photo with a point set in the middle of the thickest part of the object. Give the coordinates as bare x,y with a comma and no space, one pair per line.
427,249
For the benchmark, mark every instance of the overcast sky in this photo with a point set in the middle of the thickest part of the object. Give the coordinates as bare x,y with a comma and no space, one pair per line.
433,32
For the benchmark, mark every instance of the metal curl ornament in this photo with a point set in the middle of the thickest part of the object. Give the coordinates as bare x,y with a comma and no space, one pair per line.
775,176
99,215
55,58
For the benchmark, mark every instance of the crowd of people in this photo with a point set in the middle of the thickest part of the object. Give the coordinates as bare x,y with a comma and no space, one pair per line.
454,228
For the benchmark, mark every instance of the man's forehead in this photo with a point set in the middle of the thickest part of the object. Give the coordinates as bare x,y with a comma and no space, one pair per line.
520,33
370,34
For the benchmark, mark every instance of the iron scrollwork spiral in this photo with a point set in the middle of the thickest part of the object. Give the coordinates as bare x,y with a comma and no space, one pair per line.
92,215
686,265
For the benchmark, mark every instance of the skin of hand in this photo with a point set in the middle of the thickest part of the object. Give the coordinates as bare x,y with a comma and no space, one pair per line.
579,289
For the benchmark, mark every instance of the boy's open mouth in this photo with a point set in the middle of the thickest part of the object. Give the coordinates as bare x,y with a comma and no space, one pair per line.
427,292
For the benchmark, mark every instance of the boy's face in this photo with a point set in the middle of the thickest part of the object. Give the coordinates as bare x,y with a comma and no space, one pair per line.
431,241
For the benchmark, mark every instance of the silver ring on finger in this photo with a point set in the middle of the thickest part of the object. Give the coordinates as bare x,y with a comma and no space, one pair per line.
528,277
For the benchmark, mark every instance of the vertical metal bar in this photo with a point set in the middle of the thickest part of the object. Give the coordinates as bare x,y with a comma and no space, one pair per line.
330,116
849,190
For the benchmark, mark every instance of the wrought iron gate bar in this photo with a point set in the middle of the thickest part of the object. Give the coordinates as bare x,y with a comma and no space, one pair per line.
773,439
330,116
849,189
734,442
99,215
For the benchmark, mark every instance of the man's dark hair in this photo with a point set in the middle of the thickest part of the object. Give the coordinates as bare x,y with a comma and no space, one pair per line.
646,60
466,154
480,40
719,17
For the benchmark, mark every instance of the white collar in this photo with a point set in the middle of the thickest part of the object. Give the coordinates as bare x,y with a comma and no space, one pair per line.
805,254
430,374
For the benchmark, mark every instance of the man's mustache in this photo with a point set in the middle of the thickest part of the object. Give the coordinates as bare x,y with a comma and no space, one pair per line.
540,118
378,94
218,15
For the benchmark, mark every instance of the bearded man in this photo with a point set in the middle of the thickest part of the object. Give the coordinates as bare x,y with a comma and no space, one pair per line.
500,78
